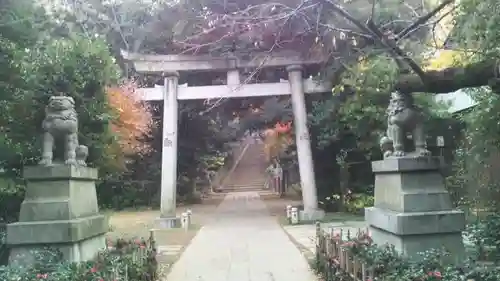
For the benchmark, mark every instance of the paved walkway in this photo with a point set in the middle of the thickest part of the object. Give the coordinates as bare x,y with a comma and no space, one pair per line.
243,243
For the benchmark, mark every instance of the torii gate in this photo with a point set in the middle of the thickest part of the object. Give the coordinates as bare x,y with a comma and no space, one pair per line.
171,92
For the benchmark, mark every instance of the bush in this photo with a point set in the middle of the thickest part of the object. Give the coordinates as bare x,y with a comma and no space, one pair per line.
133,260
123,194
356,203
485,237
353,203
385,264
11,197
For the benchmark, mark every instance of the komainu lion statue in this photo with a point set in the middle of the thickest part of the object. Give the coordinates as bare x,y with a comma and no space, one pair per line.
403,117
61,121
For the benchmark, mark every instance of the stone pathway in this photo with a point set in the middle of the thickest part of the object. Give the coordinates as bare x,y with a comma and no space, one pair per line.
243,243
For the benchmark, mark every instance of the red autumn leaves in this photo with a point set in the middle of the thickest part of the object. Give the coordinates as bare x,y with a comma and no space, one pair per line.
134,118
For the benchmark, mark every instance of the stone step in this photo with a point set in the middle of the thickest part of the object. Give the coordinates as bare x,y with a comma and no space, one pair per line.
244,185
249,182
245,180
228,189
249,174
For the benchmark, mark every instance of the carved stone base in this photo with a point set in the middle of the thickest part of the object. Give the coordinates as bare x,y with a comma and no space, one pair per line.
413,210
311,215
59,211
166,223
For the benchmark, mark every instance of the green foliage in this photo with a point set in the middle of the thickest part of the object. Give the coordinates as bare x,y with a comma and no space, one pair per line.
148,27
349,123
41,57
203,144
123,260
203,147
78,67
36,67
477,159
11,197
358,202
21,22
477,27
485,235
125,191
385,263
353,203
355,114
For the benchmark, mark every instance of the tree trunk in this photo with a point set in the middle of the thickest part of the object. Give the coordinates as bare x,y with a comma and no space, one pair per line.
449,79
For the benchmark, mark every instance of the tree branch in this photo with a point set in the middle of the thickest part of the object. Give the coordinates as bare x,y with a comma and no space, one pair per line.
423,19
450,79
396,51
371,29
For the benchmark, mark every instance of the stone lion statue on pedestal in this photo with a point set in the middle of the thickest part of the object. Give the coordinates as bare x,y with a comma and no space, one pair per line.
61,121
403,117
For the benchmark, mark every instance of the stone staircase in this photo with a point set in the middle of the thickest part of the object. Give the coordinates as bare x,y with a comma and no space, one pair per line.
249,173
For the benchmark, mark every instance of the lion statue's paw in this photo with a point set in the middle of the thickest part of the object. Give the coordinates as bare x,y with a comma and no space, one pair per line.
82,152
398,153
71,162
424,152
387,154
45,162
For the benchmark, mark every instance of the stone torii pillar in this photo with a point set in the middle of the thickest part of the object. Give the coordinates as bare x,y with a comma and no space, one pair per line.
304,154
168,217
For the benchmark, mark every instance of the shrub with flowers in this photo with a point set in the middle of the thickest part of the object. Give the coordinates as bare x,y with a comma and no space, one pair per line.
350,202
386,264
123,260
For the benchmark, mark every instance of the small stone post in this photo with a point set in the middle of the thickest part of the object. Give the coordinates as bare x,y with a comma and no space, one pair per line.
288,212
190,216
185,220
294,216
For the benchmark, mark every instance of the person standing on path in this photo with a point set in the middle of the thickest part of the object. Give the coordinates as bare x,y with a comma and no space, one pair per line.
275,173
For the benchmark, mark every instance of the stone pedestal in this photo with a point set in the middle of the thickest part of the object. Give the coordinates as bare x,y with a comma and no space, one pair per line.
413,210
311,215
167,222
59,211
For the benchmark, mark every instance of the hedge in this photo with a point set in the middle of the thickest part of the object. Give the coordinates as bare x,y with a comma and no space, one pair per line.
359,259
122,260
